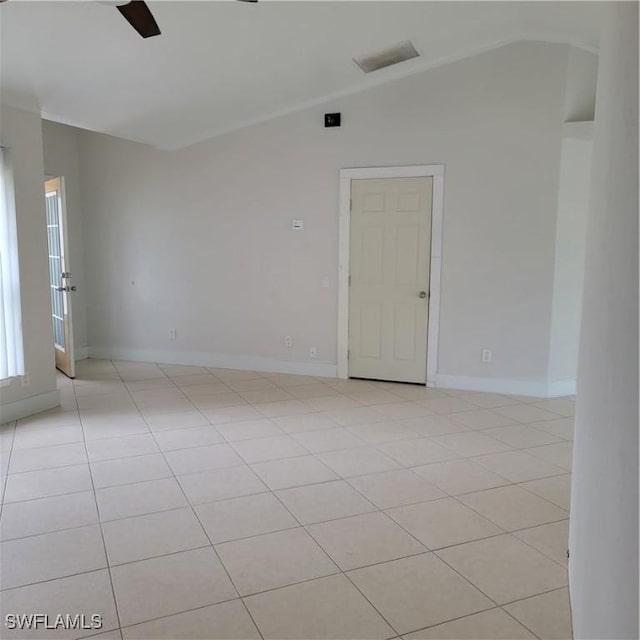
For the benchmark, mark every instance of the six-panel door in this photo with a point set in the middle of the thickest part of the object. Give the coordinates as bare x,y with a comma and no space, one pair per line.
389,278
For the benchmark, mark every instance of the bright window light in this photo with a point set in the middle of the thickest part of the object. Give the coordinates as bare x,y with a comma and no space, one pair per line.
11,344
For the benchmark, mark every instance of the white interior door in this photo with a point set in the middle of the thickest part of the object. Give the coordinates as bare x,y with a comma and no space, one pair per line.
59,277
389,278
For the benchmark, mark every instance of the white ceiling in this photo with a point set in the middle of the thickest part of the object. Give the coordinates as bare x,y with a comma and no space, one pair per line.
221,65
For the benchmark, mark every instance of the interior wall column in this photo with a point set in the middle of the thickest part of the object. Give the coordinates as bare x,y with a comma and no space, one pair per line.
603,565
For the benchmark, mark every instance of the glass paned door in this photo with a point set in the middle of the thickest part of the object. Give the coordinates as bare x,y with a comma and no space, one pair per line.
59,277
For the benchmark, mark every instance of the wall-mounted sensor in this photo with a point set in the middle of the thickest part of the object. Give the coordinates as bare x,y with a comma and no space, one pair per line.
331,119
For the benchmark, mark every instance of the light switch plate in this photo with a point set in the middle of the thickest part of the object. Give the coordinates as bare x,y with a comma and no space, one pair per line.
297,225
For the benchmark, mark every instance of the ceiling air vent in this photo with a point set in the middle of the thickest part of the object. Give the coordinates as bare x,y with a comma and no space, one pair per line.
387,57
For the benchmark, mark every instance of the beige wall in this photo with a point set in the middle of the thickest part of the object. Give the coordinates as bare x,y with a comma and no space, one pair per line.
200,239
61,158
22,133
571,229
580,90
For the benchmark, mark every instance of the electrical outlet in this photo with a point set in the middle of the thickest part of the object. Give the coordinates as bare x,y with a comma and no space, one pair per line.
324,282
288,341
313,352
173,334
25,380
485,356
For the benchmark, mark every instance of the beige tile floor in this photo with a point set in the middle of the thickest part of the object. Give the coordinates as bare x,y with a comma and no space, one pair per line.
185,502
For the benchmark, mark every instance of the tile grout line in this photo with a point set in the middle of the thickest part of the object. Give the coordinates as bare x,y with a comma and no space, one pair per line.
308,533
349,427
95,500
375,509
506,604
250,465
511,532
272,491
211,545
345,572
508,482
340,570
434,551
5,477
522,623
428,551
469,615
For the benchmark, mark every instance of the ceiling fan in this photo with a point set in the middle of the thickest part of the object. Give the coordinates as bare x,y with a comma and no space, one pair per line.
139,16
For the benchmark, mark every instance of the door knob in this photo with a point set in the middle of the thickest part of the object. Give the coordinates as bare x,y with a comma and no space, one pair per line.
72,287
422,294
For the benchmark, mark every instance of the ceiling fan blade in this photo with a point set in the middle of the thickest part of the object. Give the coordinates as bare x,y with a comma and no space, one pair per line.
139,16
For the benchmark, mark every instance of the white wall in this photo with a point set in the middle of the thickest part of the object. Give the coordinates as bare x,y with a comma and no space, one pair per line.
204,233
21,132
582,80
61,158
573,204
603,567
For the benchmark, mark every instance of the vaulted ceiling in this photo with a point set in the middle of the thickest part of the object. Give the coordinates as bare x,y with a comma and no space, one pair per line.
220,65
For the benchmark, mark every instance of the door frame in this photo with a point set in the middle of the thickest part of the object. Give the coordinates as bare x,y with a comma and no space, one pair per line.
68,320
435,171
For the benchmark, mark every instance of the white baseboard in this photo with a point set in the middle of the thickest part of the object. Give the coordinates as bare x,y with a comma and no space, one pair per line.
28,406
559,388
81,353
222,361
540,389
